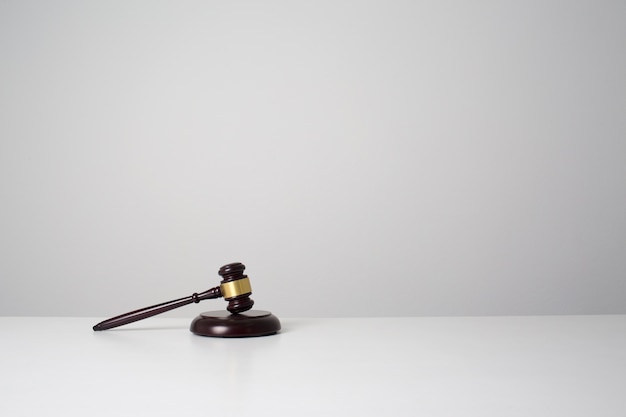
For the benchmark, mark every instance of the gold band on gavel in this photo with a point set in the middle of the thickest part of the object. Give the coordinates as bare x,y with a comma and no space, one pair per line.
235,288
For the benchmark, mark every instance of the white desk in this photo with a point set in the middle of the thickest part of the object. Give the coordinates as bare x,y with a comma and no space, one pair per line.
499,366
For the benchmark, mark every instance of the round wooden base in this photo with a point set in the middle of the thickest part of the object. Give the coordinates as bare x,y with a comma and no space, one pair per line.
224,324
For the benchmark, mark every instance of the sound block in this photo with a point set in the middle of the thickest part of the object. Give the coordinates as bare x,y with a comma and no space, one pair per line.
224,324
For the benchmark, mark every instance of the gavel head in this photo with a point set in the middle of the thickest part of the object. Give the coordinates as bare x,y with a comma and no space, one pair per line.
235,288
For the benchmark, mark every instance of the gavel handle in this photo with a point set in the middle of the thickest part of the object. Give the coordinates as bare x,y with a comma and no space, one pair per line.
146,312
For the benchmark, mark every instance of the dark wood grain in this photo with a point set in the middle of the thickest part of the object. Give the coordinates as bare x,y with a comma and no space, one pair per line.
248,324
233,272
146,312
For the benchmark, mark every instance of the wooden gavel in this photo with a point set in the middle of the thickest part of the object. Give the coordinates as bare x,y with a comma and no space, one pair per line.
234,287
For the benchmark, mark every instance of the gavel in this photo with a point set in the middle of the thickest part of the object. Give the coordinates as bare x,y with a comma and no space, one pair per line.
234,287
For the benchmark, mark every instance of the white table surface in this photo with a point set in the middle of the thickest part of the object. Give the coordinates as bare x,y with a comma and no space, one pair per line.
473,366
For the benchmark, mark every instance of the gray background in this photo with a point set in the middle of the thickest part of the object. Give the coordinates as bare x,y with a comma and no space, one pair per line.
360,157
